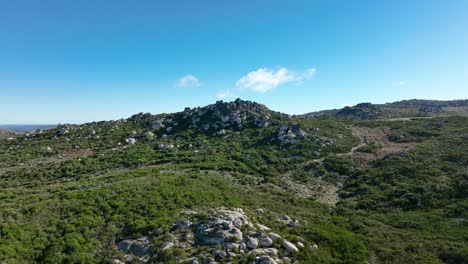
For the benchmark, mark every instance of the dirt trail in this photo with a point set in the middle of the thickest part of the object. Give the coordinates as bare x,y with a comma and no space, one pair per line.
378,136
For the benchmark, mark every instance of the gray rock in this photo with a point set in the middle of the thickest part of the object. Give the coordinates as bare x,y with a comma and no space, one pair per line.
265,260
265,241
221,132
157,124
290,247
238,223
138,247
209,260
293,223
251,243
166,245
259,211
263,227
64,131
274,236
273,252
130,141
221,254
193,261
165,146
149,135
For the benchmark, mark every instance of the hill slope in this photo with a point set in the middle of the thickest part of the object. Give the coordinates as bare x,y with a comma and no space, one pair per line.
237,182
401,109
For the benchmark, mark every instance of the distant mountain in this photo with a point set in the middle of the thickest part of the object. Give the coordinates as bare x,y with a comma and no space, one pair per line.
400,109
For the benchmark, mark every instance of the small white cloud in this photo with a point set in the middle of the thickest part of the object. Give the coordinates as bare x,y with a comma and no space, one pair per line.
400,83
188,81
224,95
263,79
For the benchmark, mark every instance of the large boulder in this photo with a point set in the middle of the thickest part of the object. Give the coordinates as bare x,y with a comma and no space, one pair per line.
251,243
138,247
265,241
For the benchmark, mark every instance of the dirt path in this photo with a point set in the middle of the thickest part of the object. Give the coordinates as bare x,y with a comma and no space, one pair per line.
378,136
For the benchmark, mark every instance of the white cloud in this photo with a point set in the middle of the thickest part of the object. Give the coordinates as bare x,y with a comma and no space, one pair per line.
263,79
226,94
400,83
188,81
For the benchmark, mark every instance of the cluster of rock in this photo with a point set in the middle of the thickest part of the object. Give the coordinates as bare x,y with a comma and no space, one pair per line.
224,236
362,111
290,133
226,114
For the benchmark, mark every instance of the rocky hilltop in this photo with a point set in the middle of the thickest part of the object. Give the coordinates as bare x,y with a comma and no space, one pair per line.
401,109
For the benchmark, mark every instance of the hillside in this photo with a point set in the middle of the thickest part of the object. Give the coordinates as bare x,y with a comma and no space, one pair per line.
4,133
235,182
401,109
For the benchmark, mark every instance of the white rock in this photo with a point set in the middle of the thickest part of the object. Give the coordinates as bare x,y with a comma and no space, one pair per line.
263,228
166,246
130,141
290,247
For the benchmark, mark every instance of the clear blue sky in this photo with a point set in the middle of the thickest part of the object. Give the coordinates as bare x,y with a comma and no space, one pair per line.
78,61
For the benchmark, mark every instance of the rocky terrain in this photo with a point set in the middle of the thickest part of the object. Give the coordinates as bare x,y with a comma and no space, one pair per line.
212,235
235,182
401,109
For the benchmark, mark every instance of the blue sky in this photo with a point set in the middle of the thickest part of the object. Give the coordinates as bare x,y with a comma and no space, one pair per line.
77,61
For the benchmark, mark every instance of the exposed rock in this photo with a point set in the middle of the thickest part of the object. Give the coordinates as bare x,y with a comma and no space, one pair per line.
165,146
64,131
149,135
209,260
166,245
290,247
157,124
130,141
265,260
259,211
274,236
251,243
265,241
293,223
138,247
193,261
184,224
263,227
288,134
221,132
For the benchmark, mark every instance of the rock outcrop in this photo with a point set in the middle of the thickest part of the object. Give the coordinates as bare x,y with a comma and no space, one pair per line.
221,236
